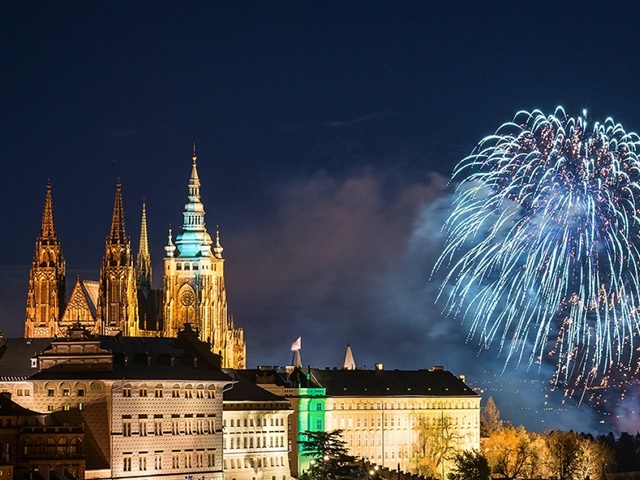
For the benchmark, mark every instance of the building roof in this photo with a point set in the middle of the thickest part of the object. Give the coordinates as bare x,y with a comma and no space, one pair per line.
9,408
143,358
244,390
16,355
374,383
365,383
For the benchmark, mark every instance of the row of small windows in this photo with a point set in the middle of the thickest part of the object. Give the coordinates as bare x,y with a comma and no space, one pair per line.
257,462
189,266
248,442
62,448
402,422
403,406
186,426
176,391
259,422
188,459
66,392
66,408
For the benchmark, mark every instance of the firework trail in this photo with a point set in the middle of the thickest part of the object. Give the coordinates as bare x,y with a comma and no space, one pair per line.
542,254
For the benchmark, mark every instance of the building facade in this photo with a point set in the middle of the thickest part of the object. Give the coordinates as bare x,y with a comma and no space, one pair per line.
122,301
150,407
256,440
388,417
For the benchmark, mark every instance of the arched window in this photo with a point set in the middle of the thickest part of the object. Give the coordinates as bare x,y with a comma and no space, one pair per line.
63,446
76,446
51,446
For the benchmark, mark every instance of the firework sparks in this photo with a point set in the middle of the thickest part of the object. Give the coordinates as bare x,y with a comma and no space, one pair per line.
542,254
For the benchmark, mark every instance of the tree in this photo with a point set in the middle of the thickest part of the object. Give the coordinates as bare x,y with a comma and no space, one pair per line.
470,465
490,418
436,443
562,453
509,451
330,459
591,458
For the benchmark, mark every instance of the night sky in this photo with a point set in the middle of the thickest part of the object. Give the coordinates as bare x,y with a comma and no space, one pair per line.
326,133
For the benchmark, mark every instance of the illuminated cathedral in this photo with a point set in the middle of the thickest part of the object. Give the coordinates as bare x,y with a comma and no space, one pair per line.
122,301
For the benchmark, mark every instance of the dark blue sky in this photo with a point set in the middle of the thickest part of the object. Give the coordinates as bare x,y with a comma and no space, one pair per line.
326,132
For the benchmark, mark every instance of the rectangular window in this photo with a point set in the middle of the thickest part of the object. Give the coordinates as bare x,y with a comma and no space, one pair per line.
51,392
65,392
175,460
175,393
126,428
126,464
126,392
81,392
143,429
158,462
158,393
143,392
142,463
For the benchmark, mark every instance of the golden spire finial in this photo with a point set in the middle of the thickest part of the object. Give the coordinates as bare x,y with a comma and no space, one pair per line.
194,157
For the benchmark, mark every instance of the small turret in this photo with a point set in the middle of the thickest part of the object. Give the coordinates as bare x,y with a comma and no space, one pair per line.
170,247
349,362
217,249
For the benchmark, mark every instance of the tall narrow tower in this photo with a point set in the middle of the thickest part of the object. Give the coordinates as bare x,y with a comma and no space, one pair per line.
194,286
118,301
143,260
46,294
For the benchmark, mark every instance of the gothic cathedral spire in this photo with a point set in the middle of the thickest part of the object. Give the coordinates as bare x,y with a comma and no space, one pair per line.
118,302
46,294
143,260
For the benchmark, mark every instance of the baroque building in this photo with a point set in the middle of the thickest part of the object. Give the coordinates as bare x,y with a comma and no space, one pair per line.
122,301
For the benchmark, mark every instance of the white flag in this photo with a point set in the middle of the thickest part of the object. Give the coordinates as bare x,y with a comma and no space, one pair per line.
297,345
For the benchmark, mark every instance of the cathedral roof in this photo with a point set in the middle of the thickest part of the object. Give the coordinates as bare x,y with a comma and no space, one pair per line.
84,298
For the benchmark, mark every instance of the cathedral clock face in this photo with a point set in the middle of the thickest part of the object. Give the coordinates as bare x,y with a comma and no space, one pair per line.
187,299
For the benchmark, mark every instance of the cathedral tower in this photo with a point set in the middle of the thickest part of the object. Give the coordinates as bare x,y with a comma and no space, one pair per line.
46,294
118,301
194,286
143,260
